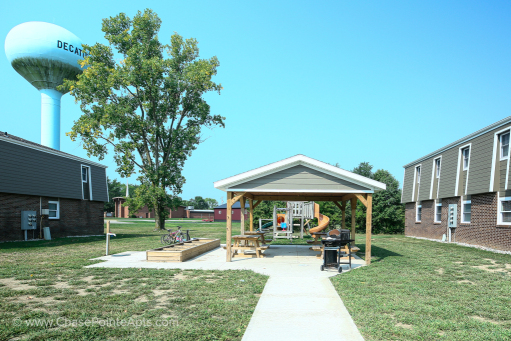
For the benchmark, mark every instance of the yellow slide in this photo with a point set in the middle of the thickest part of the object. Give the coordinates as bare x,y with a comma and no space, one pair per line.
323,221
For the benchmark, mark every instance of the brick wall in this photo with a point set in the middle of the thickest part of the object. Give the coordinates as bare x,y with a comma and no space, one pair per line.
482,230
77,217
199,215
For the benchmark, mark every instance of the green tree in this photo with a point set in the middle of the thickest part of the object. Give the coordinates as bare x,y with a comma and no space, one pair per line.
364,169
115,189
148,108
212,203
388,212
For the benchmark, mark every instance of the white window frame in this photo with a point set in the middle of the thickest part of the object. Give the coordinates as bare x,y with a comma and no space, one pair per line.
57,216
90,180
419,205
494,159
415,183
463,202
467,166
438,166
500,141
219,211
418,171
499,211
462,166
438,204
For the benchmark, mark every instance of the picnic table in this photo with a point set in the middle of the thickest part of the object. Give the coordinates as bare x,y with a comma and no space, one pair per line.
261,235
247,243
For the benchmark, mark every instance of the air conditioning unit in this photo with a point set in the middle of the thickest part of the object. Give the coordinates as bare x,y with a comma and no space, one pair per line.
45,211
189,208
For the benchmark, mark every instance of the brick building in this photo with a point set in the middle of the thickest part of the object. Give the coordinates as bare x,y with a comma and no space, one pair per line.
462,192
179,212
35,178
221,212
123,211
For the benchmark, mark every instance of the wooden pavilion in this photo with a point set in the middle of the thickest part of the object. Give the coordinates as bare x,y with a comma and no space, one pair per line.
300,178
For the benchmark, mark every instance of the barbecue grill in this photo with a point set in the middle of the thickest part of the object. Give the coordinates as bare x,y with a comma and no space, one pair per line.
332,245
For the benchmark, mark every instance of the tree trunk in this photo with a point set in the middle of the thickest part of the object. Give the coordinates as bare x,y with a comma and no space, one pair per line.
159,216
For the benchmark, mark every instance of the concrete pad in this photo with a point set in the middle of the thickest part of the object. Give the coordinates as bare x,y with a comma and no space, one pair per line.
296,302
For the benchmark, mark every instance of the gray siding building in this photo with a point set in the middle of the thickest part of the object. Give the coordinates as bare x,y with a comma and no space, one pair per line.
34,177
469,178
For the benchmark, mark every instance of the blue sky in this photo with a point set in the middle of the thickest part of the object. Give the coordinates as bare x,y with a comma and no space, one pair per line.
339,81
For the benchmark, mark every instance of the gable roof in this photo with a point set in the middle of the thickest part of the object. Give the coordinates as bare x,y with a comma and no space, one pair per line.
237,204
482,131
360,183
29,144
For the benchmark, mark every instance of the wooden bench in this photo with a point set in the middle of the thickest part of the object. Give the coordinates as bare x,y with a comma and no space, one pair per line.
247,243
259,234
317,238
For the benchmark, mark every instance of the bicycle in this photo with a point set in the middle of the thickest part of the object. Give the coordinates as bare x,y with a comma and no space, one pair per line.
174,237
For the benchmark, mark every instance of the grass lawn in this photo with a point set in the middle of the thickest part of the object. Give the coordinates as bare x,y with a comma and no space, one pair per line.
47,280
423,290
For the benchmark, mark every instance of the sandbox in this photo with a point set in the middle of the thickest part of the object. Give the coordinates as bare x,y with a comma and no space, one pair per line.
182,251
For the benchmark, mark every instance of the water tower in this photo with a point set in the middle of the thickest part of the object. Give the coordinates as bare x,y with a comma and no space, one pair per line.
45,54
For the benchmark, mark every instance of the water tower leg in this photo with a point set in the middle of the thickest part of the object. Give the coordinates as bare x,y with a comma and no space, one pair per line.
50,118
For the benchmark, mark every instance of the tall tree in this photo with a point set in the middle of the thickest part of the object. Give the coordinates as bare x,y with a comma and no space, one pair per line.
212,203
388,212
148,108
115,189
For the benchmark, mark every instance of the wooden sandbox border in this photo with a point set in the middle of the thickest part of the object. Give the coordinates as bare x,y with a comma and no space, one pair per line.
183,251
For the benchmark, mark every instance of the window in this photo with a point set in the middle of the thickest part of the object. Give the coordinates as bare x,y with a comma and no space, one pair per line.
418,170
85,172
437,164
466,210
504,146
505,211
466,157
54,207
219,212
418,218
438,212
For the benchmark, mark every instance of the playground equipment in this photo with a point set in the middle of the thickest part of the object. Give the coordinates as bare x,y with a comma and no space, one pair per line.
323,221
284,223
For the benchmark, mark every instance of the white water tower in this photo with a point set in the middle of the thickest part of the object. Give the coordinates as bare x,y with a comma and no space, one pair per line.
45,54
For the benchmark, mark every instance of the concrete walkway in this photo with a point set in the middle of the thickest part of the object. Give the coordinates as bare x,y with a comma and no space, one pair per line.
297,301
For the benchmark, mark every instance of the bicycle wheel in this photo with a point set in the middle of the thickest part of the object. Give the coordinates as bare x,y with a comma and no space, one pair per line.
165,239
179,237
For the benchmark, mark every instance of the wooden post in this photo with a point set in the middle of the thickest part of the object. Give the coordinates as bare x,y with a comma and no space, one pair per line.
353,216
251,213
369,220
228,239
343,211
242,218
107,237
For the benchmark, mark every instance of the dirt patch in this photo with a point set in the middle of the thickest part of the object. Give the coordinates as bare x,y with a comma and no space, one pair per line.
157,292
458,262
440,271
14,284
82,292
34,299
466,281
62,285
405,326
88,279
180,276
141,299
488,268
119,292
482,319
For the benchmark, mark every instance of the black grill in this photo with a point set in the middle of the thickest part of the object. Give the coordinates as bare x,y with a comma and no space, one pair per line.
332,249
